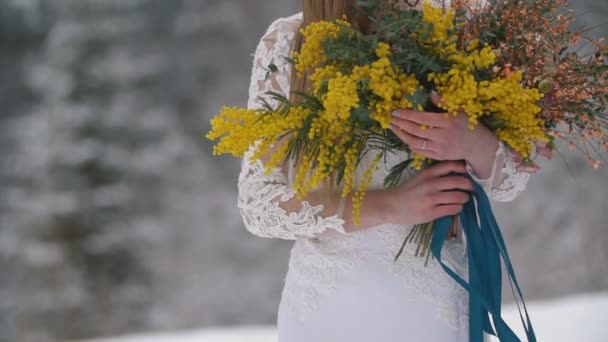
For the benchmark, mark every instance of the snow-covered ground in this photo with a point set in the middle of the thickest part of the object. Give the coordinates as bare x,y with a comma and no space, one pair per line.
577,318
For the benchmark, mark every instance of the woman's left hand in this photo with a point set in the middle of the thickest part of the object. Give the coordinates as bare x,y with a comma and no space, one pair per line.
446,137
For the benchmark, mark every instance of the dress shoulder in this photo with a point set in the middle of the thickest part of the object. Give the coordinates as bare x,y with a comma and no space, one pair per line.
273,48
285,24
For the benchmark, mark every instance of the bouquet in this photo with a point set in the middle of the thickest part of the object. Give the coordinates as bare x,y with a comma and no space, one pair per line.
522,78
512,65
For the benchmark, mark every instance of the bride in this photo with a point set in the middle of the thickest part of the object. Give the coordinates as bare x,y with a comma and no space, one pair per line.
342,283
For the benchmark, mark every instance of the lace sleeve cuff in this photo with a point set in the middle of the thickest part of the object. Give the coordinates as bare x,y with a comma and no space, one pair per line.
505,182
260,196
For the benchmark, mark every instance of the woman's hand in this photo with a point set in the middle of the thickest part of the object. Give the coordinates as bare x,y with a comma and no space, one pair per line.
430,194
447,137
542,150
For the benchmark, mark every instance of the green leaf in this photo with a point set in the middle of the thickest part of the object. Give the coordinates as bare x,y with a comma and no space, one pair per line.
492,123
419,98
360,114
396,174
289,60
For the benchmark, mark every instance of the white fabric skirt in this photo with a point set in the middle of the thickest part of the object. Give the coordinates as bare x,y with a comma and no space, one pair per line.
347,288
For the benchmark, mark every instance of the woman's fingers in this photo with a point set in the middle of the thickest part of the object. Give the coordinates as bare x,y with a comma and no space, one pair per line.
414,128
411,140
444,169
450,197
421,118
453,183
431,154
420,146
533,168
544,150
446,210
436,99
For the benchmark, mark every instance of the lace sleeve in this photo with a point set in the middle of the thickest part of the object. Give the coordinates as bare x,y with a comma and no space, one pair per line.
505,182
261,196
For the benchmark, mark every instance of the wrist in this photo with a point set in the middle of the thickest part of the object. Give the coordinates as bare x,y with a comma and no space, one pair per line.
481,158
379,207
388,204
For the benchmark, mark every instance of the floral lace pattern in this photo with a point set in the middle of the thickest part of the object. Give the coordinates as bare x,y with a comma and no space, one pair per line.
505,182
429,282
316,268
323,254
259,198
512,182
275,45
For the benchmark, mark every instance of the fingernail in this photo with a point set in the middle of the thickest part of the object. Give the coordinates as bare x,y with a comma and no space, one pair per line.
395,113
434,93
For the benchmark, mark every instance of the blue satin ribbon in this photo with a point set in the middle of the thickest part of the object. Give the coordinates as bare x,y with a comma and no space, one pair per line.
485,248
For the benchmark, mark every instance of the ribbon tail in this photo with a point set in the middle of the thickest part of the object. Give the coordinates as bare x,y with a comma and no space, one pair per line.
489,221
485,247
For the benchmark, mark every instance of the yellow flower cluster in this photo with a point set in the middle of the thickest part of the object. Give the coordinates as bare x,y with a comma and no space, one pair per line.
238,129
366,180
418,161
312,52
340,99
351,158
503,98
233,126
322,74
300,185
517,106
330,130
474,59
443,38
387,88
329,156
388,83
506,99
459,87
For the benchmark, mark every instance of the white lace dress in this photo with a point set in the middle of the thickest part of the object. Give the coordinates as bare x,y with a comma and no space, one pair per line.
345,286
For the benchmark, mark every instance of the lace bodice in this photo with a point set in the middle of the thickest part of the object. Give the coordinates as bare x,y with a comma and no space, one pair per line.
323,253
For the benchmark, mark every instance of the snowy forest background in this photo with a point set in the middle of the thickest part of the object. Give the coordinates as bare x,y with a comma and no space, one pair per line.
114,217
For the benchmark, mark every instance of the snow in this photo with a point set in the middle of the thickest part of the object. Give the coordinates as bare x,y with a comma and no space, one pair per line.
576,318
240,334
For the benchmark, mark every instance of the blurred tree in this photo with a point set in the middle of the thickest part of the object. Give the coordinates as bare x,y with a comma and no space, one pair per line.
105,113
